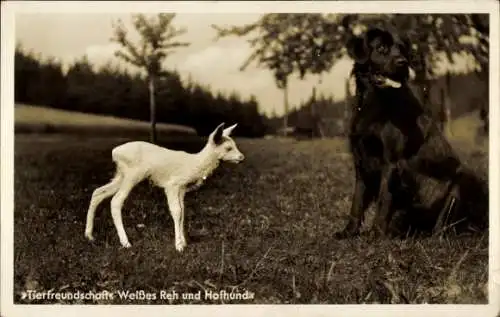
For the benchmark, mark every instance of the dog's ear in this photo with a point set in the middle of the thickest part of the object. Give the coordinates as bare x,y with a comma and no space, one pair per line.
409,52
357,49
376,32
406,42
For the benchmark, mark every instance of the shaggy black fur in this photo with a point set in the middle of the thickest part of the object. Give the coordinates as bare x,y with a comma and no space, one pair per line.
401,157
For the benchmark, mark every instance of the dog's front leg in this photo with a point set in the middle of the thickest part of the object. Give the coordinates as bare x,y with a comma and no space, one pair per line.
384,203
362,197
175,197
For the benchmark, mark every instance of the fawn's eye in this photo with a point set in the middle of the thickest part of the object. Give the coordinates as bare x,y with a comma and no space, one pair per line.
228,148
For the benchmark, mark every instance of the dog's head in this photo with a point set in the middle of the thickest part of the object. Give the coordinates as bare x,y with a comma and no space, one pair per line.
382,55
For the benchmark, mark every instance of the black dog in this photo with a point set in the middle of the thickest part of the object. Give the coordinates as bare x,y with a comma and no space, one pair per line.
400,154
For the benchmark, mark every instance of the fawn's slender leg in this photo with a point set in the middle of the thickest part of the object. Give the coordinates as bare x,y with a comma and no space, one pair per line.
116,207
98,196
182,193
174,195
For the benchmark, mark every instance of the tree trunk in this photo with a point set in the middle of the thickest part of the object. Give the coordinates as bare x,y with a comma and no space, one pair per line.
152,108
317,130
445,113
315,116
285,103
447,104
484,107
424,81
348,107
482,25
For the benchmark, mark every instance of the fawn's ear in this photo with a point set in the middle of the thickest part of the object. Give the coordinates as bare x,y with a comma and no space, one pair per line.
216,135
227,131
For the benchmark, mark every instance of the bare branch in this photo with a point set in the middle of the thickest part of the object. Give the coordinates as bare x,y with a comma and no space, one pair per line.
128,59
250,59
235,30
176,44
173,32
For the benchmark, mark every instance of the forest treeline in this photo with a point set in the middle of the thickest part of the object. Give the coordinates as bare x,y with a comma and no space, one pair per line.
461,94
110,90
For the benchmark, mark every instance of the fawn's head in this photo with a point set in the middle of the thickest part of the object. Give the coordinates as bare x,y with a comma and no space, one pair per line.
224,146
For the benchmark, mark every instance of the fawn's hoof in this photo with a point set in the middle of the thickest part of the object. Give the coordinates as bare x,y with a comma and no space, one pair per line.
89,236
126,245
180,245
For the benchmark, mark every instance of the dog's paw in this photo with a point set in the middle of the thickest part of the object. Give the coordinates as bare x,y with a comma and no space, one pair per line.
346,233
373,234
377,233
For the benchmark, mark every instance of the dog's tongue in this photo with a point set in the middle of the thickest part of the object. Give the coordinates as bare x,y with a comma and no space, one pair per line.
391,83
387,82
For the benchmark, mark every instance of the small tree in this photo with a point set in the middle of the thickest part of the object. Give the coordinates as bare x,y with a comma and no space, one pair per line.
156,43
287,44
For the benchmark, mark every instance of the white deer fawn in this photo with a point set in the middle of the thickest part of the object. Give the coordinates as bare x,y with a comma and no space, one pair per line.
177,172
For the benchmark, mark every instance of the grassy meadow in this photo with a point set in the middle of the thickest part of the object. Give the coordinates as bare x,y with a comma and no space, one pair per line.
264,227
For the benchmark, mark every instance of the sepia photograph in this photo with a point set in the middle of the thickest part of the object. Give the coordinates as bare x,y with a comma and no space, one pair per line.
241,157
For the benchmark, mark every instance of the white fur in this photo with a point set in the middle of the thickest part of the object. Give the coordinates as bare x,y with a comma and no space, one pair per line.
177,172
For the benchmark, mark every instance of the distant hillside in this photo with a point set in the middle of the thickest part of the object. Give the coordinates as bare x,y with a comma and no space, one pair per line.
31,119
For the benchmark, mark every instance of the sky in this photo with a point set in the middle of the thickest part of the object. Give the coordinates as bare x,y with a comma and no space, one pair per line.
68,36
